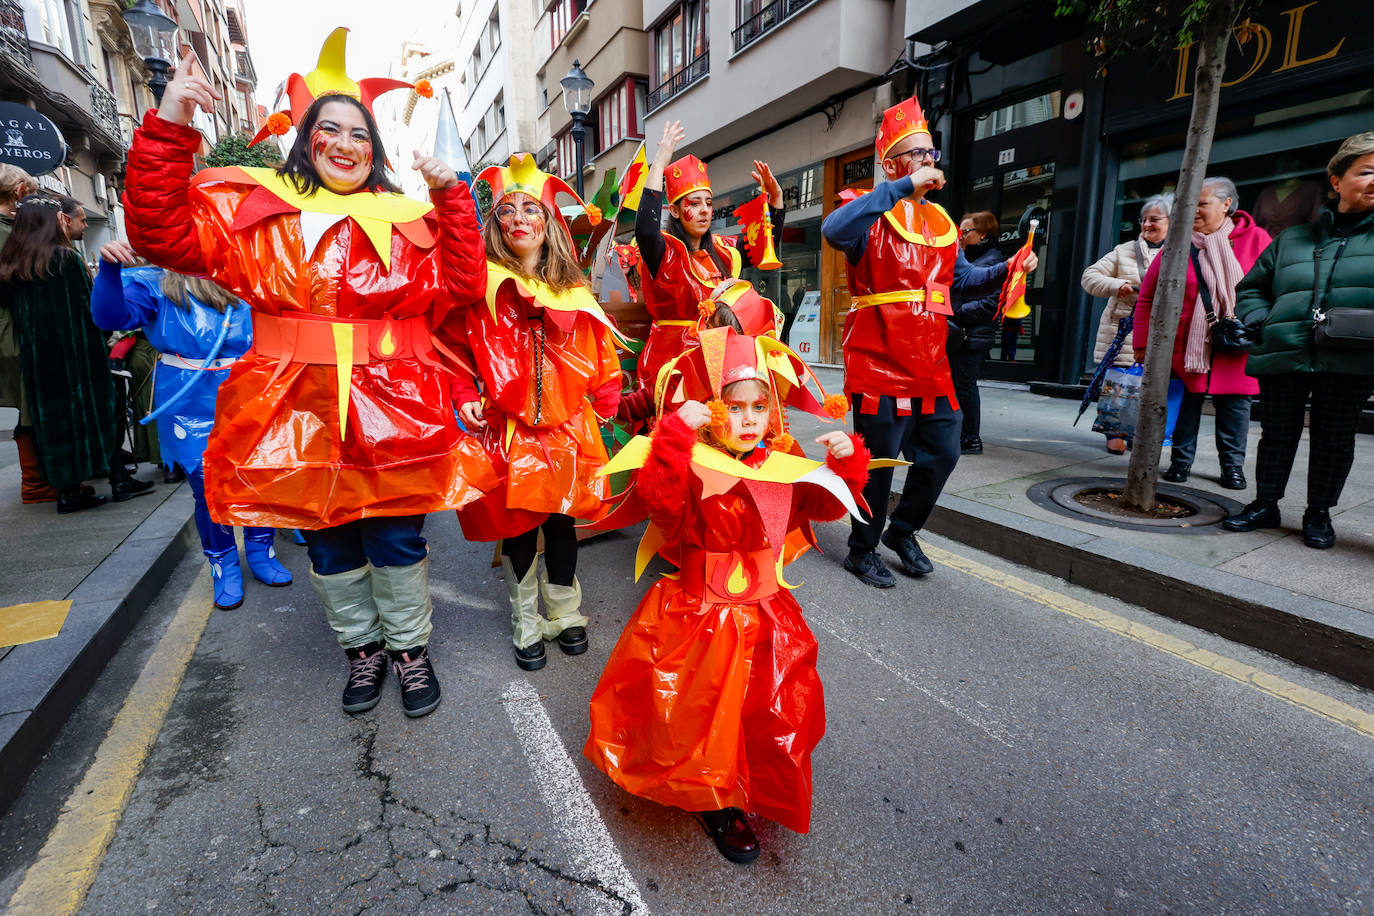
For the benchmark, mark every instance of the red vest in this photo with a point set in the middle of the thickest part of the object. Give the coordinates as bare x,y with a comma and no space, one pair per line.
898,348
673,295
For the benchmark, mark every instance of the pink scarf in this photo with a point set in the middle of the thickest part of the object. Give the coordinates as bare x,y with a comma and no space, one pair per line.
1220,272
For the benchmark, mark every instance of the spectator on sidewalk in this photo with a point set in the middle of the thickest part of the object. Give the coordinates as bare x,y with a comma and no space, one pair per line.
185,316
67,381
975,295
1311,268
15,183
1116,278
1226,243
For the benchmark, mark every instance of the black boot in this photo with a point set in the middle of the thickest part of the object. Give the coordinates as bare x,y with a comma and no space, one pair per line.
1316,529
734,837
1233,478
366,672
125,486
74,499
1178,472
531,657
419,686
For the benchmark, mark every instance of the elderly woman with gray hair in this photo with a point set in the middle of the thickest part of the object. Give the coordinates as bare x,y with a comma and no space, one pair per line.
1226,243
1116,278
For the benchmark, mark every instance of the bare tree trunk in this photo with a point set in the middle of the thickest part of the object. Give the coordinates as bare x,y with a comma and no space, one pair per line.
1167,303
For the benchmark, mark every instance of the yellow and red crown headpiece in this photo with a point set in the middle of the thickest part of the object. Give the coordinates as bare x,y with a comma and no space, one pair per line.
328,78
523,176
725,357
684,176
899,122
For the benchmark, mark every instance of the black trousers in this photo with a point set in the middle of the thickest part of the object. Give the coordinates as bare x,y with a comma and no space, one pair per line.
1336,404
930,442
965,367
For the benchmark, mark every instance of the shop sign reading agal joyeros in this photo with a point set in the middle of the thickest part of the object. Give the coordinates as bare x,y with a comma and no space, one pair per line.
29,140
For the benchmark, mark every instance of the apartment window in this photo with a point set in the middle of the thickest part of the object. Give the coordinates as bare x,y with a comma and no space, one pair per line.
494,32
54,22
499,107
563,15
477,143
567,156
621,113
680,50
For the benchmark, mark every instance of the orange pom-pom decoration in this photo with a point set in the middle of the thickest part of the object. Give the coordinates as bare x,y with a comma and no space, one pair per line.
783,442
278,123
706,308
835,406
424,88
720,414
593,214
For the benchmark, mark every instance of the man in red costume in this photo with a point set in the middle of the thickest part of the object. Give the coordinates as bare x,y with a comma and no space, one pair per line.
681,265
901,250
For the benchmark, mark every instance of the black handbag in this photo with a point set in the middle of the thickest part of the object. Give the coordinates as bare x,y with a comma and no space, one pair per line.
1229,335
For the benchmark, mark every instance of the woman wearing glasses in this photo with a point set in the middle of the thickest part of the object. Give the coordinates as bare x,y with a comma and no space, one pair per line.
545,358
1116,278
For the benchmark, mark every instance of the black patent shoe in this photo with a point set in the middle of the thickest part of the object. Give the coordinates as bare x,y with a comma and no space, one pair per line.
870,569
532,657
573,640
1259,514
733,836
1233,478
1178,472
1316,529
419,685
972,446
914,559
126,488
78,498
366,672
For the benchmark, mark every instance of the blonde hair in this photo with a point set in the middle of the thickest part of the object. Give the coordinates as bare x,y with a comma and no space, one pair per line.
15,183
558,265
1356,147
175,286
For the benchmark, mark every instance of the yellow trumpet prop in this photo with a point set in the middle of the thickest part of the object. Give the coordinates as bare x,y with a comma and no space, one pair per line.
770,259
1019,308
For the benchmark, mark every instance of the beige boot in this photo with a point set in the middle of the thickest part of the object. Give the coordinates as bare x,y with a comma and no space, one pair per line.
563,603
526,624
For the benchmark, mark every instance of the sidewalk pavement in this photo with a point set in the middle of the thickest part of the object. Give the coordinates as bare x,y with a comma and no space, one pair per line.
1264,588
110,562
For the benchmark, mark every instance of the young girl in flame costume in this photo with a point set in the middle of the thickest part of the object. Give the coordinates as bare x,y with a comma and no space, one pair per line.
710,701
682,264
339,419
545,356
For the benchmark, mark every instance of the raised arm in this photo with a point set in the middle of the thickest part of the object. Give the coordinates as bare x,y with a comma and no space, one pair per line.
120,302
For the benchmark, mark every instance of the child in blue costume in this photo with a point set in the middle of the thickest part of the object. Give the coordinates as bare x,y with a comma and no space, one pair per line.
183,318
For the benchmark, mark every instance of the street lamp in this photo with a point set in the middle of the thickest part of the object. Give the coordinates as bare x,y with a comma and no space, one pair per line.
577,96
153,32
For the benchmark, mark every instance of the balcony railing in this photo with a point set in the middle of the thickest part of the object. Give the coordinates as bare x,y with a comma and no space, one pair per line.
694,71
765,20
105,108
14,36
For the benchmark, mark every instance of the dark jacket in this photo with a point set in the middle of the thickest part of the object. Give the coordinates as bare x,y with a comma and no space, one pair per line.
978,276
1307,266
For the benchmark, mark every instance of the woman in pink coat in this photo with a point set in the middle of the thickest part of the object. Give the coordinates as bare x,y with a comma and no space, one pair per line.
1226,243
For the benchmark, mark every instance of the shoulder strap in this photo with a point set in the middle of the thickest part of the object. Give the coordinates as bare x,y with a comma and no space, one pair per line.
1203,292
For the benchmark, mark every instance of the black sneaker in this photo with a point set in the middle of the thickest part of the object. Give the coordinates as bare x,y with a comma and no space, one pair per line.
870,569
573,640
366,671
973,446
913,558
734,837
126,488
532,657
419,686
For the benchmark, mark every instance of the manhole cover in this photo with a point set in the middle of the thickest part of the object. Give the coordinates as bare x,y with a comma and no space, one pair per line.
1197,510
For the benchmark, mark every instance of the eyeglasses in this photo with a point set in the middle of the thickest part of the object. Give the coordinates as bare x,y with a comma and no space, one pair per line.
918,154
965,232
532,213
1147,220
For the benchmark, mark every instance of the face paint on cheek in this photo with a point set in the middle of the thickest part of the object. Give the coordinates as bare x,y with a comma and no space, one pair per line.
318,144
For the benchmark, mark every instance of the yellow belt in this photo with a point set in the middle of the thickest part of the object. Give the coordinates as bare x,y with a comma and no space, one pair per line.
897,295
674,323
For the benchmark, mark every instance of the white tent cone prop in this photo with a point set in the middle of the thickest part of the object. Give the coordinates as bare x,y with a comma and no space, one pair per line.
448,145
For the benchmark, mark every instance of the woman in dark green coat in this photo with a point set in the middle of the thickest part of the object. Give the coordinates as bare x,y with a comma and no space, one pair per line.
1307,270
66,371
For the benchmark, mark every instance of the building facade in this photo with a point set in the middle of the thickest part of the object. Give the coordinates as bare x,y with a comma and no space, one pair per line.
497,109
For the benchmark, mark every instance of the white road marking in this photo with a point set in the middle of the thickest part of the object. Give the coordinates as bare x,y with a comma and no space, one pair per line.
994,730
589,841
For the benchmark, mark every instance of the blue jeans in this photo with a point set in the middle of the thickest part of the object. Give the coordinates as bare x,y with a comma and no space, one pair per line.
379,541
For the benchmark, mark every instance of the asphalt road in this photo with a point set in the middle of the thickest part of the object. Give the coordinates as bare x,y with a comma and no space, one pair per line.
989,750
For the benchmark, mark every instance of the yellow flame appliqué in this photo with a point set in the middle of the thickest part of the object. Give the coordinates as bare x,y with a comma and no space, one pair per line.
738,582
387,345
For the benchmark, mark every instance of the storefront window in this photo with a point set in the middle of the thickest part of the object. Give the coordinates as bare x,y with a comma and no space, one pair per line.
1030,111
1277,160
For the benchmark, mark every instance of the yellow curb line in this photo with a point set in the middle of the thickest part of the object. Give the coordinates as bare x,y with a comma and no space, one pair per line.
1304,698
67,864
